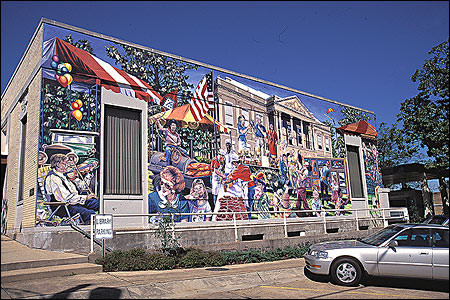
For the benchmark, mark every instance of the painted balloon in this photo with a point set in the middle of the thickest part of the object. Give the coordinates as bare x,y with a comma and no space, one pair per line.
54,65
59,72
74,105
81,109
60,66
63,81
56,76
80,103
69,78
68,66
55,58
77,115
64,70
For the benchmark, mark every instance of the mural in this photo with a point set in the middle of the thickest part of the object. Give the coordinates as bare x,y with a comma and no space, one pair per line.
372,171
216,142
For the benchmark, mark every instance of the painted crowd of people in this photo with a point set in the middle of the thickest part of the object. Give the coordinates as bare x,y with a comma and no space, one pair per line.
232,177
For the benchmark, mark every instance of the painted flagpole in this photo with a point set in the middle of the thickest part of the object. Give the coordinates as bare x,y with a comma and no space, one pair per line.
214,115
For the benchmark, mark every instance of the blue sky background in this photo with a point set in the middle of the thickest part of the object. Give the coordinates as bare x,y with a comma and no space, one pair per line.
357,53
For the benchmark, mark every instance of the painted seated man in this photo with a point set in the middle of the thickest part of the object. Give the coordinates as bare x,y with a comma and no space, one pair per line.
61,189
173,140
168,198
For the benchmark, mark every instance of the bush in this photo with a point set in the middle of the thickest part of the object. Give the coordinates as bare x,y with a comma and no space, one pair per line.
139,259
135,260
195,258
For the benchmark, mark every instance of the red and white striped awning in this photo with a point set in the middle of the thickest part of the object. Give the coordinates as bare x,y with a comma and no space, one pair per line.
85,64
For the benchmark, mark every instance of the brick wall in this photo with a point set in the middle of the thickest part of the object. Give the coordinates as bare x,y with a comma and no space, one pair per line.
13,91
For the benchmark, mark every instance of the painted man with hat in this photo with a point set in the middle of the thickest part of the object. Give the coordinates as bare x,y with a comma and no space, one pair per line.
172,140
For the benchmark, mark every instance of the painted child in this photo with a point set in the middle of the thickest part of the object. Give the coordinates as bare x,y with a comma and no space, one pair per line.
262,202
198,202
316,205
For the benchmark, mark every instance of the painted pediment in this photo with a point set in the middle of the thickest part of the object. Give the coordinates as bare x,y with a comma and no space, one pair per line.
296,105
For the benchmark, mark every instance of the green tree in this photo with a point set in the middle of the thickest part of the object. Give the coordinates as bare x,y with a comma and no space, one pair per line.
162,73
425,116
82,44
394,148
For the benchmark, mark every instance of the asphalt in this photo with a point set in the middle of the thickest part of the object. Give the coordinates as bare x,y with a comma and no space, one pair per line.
178,283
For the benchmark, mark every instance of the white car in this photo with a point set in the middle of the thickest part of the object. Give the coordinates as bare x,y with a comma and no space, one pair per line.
400,250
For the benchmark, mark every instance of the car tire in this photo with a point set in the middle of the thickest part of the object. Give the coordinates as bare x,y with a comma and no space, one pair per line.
346,272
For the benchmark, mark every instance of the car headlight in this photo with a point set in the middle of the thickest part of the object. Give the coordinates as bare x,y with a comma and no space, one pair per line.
318,254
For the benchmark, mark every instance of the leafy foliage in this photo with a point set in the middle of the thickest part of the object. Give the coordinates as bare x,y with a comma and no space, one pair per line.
164,74
82,44
56,110
169,242
395,148
135,260
425,116
139,259
196,258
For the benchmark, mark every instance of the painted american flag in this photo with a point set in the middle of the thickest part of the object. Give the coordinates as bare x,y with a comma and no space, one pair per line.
203,99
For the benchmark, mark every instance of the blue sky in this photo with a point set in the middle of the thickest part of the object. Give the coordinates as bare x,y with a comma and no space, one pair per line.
357,53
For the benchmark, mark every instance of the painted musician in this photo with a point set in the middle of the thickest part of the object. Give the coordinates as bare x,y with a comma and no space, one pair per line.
217,173
172,139
239,182
61,189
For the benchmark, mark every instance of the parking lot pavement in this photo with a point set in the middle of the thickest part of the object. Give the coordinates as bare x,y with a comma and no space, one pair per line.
154,284
272,280
319,287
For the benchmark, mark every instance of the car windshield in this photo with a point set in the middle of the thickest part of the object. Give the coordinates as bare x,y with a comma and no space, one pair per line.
381,236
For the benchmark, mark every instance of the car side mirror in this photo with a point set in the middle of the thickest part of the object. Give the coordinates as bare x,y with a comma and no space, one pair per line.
393,244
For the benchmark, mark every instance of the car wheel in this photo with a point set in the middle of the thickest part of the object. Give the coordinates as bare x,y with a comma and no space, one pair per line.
346,271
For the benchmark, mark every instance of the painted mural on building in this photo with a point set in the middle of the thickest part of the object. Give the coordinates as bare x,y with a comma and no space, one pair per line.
216,142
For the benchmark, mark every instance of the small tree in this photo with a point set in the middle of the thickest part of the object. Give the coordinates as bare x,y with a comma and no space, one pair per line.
169,241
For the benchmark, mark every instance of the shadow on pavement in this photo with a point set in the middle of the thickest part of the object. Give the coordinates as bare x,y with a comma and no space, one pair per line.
316,277
105,293
66,293
408,283
404,283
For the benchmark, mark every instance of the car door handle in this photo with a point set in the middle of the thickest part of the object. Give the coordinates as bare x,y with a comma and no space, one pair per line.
424,253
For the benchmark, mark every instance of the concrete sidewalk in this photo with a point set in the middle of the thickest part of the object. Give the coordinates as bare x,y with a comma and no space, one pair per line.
179,283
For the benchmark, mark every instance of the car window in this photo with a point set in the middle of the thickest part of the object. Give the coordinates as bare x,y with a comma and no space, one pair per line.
381,236
415,237
440,238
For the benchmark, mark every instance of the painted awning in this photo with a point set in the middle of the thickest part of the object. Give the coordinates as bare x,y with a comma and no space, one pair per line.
85,65
184,115
361,127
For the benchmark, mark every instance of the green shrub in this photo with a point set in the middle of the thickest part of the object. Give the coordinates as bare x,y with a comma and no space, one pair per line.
135,260
196,258
139,259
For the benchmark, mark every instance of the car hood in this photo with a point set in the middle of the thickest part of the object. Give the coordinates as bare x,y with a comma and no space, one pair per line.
341,245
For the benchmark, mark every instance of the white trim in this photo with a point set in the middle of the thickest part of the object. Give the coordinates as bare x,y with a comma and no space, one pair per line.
119,100
353,140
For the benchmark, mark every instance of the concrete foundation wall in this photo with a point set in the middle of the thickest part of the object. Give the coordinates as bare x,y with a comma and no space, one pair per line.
210,238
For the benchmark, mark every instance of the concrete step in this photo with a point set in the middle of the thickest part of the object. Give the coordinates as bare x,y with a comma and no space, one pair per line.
43,262
49,271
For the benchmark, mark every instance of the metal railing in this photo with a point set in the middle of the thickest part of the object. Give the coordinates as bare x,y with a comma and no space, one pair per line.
357,215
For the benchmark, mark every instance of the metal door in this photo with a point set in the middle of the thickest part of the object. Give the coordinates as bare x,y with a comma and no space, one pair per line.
412,257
